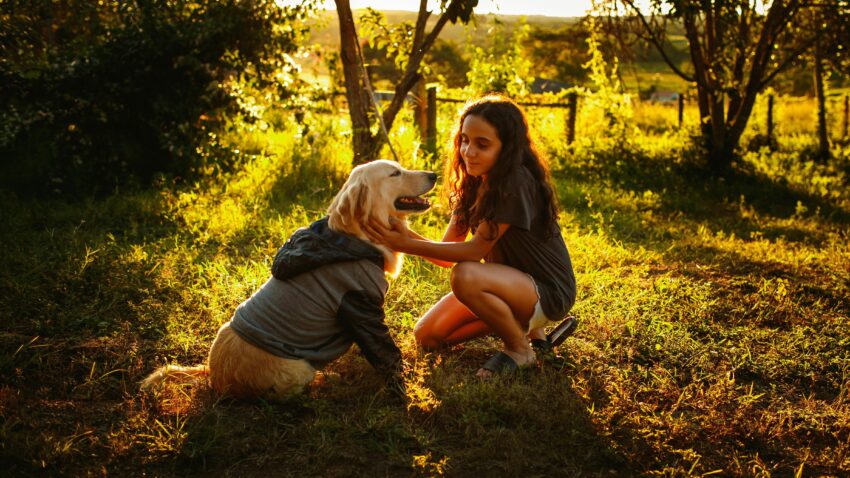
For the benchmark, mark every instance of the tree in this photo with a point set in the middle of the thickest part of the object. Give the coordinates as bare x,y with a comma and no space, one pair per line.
559,53
832,22
411,50
733,53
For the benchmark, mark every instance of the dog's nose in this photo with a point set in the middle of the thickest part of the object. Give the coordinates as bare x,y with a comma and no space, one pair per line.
432,177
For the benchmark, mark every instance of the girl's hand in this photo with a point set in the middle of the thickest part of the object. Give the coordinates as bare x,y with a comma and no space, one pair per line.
395,238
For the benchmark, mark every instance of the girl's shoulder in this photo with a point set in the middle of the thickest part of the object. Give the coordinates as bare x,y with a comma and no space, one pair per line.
518,201
520,184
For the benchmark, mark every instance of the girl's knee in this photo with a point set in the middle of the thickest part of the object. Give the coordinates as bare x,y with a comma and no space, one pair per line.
423,333
464,277
428,343
425,339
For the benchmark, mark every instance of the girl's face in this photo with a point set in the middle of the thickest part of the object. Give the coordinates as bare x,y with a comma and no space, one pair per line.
479,145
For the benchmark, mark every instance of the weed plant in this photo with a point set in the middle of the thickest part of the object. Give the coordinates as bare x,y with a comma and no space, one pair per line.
713,336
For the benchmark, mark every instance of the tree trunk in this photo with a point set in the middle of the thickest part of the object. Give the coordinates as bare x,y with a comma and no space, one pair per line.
710,29
710,101
823,136
738,117
714,126
365,144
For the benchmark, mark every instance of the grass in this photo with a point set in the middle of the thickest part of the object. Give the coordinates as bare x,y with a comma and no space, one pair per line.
713,338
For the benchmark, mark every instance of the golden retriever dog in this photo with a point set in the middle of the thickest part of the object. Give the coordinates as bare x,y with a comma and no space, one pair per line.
326,292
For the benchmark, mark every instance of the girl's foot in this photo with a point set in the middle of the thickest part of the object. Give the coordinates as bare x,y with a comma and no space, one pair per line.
538,333
507,361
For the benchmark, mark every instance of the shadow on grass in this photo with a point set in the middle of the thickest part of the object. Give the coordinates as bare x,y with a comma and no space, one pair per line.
532,423
79,270
348,425
79,302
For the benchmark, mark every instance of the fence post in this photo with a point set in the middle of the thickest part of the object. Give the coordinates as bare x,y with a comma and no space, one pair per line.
846,115
770,119
431,121
420,111
681,109
572,98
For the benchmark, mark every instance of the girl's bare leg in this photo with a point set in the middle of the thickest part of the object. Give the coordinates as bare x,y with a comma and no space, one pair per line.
503,298
447,323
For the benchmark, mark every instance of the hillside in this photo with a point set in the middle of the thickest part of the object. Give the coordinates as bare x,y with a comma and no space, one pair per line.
326,28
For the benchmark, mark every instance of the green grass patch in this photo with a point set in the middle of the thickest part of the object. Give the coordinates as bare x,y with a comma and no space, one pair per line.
713,338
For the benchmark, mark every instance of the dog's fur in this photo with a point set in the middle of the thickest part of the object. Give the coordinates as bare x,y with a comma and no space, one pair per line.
242,370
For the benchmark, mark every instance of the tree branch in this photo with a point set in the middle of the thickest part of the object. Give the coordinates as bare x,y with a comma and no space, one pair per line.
421,21
768,77
655,41
411,74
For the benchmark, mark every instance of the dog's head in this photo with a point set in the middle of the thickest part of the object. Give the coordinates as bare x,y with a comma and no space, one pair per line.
380,189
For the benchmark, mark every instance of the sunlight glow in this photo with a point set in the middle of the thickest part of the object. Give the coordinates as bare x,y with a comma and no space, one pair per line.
576,8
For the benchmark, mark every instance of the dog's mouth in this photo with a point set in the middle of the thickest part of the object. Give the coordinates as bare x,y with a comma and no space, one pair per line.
412,203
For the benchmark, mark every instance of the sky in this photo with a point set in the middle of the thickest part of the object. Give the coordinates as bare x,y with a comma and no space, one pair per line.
552,8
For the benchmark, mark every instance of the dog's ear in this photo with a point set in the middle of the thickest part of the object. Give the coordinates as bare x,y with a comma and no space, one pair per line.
352,205
363,205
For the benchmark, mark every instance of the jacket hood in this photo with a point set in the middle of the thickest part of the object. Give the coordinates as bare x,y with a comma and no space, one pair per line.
311,247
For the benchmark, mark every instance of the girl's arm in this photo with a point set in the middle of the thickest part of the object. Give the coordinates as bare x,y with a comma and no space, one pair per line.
458,250
452,234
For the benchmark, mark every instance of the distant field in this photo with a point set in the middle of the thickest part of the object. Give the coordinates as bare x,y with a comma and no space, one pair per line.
326,30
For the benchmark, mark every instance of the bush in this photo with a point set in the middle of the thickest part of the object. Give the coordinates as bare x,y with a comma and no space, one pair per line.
102,96
502,68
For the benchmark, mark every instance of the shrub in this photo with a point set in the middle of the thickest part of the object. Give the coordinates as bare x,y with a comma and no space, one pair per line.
118,93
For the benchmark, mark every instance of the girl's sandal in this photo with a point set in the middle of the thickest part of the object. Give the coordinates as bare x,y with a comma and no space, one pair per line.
502,364
561,331
545,349
546,353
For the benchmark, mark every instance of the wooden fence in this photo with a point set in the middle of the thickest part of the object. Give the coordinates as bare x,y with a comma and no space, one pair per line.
425,114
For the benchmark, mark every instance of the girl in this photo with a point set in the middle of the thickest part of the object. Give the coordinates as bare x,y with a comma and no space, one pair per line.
500,191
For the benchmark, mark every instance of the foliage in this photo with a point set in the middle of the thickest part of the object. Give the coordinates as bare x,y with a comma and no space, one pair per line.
388,50
396,41
104,94
559,53
502,67
607,92
736,50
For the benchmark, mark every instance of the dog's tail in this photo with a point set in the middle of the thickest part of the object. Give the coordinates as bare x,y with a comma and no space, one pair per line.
177,374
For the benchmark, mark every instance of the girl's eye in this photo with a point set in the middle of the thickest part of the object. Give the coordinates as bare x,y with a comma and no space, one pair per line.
396,173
